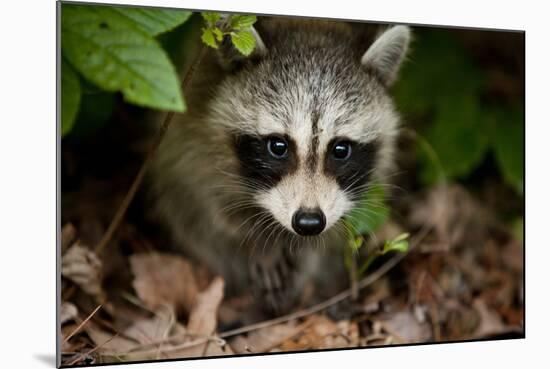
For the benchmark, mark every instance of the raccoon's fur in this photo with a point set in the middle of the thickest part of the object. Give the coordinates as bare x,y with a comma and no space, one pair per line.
275,149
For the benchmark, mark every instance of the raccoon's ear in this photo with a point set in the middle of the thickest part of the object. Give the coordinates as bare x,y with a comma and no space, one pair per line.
230,58
387,52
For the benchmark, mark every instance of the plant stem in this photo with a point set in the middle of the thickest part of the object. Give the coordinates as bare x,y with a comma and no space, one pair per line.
353,277
121,211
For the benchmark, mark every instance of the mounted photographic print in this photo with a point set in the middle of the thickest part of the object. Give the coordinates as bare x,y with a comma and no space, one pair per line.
237,184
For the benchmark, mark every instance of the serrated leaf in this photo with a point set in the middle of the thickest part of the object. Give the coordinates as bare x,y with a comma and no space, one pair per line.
218,33
243,41
70,97
242,22
209,38
153,21
211,17
370,214
116,56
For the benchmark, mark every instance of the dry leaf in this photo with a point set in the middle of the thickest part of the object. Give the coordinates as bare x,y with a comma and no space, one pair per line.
67,312
161,337
164,279
264,339
325,333
108,342
82,266
452,213
147,331
490,322
404,328
68,235
203,316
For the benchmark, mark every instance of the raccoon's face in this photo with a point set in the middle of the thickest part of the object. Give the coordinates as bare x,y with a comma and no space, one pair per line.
312,127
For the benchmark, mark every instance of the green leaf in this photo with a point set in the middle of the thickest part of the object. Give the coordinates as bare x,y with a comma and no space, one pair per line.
113,54
355,242
218,33
440,89
370,214
211,17
399,244
153,21
243,41
458,136
96,109
70,97
401,237
242,22
507,138
439,70
209,38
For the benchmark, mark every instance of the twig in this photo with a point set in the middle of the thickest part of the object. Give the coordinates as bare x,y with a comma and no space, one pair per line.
298,330
168,349
82,356
353,277
121,211
377,274
81,324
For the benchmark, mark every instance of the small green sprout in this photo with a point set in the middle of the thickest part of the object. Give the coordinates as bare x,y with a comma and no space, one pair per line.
398,244
239,30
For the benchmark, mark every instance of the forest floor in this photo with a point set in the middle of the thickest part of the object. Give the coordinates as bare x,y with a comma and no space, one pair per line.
462,279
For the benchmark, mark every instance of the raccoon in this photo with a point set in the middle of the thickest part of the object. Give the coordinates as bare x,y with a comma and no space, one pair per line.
276,148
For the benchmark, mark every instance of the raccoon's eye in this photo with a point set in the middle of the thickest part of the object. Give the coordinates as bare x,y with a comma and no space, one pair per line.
277,147
341,150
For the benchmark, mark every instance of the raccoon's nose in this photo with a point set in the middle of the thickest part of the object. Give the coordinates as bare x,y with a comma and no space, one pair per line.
308,222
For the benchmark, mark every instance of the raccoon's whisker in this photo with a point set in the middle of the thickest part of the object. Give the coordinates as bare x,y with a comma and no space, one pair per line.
274,228
377,205
262,224
231,189
238,205
240,181
354,229
324,244
271,226
318,243
264,228
347,229
339,228
248,219
258,217
291,244
242,185
282,231
369,186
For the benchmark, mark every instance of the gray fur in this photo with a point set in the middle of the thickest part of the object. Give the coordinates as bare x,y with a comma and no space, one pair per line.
387,52
309,74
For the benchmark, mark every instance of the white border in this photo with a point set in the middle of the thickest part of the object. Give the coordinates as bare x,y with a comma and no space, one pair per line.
27,182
